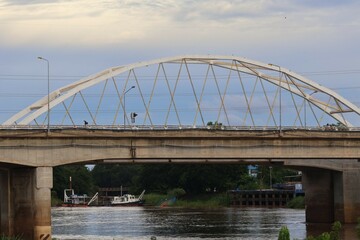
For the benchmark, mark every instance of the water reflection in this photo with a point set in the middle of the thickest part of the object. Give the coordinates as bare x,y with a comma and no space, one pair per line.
175,223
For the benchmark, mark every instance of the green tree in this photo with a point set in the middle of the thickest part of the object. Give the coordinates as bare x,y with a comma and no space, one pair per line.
247,182
192,178
81,179
278,175
114,175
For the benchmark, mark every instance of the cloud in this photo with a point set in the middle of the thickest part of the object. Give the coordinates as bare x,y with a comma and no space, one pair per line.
169,23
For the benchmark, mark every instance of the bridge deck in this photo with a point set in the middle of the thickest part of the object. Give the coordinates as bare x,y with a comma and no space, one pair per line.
37,147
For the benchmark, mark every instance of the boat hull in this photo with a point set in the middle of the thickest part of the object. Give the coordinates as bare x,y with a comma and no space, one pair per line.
128,204
73,205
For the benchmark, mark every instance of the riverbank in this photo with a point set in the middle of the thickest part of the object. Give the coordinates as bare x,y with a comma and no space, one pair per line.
210,200
213,200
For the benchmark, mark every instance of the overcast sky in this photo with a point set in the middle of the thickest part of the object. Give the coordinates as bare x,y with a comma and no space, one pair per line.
319,39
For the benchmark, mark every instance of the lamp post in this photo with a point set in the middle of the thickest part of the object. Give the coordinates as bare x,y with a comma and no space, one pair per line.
270,168
125,104
48,90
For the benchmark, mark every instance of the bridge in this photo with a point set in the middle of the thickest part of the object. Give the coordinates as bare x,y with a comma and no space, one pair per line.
186,109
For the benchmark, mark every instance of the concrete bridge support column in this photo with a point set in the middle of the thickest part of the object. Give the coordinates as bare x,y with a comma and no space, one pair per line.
347,195
42,203
319,197
6,225
332,195
31,192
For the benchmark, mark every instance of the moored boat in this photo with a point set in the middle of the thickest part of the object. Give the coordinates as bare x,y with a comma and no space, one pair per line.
73,200
128,200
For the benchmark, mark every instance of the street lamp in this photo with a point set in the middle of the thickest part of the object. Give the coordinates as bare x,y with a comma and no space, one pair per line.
125,103
270,168
48,90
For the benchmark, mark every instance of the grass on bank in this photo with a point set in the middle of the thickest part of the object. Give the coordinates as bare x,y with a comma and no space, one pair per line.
3,237
210,200
296,203
190,201
213,200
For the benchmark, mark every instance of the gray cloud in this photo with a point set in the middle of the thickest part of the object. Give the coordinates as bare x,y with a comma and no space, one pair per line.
324,3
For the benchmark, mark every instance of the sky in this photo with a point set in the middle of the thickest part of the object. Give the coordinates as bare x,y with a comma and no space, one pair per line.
318,39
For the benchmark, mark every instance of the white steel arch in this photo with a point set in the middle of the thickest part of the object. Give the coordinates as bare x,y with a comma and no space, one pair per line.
283,78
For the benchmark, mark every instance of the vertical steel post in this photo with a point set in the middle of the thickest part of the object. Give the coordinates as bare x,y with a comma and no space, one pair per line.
125,105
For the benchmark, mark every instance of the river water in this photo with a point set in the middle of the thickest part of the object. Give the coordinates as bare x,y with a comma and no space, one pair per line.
175,223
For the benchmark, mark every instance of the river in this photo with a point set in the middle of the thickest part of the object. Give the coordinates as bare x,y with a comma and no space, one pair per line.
175,223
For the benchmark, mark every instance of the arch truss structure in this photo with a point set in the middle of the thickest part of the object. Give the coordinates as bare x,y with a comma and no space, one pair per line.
192,91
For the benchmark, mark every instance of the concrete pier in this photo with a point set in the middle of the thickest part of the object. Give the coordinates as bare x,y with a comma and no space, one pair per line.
42,203
26,202
319,199
332,195
347,195
6,225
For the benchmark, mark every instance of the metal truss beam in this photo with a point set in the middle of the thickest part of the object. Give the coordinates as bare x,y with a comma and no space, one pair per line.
277,75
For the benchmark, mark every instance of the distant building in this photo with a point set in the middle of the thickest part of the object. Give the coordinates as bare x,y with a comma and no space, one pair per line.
253,170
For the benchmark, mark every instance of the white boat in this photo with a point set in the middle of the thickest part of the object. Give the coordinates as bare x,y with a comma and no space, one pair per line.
73,200
128,200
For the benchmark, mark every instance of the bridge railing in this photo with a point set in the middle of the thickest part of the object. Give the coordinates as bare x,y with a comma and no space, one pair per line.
174,127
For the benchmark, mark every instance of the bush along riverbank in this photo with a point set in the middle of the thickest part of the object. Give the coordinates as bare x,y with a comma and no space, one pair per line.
334,234
296,203
213,200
